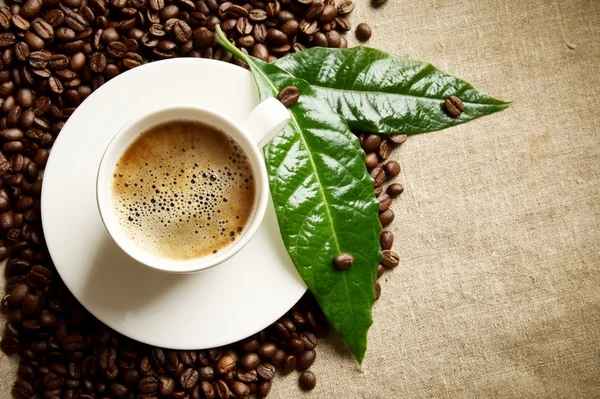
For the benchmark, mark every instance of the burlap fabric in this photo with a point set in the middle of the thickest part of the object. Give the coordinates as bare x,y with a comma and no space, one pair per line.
498,291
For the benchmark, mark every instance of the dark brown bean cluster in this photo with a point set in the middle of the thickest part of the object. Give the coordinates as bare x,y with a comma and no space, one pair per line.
53,55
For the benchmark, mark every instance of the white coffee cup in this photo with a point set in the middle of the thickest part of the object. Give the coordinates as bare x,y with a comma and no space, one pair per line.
263,123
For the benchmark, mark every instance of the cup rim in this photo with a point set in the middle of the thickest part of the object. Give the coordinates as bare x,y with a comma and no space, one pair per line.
121,141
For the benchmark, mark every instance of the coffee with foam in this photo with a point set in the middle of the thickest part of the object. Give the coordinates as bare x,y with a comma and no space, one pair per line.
183,190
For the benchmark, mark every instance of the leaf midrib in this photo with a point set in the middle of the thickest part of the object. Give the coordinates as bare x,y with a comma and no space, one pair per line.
321,192
435,99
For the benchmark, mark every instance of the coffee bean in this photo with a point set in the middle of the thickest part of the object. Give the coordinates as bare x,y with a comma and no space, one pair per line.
397,139
53,381
22,51
377,290
329,13
306,359
189,378
395,190
334,39
166,385
386,239
343,261
307,380
260,51
207,373
371,142
11,134
43,29
182,31
263,389
31,9
9,345
384,202
389,259
20,23
289,96
54,18
39,275
22,389
386,217
309,339
73,343
249,361
391,168
380,271
225,364
385,150
4,206
267,350
371,160
222,390
363,32
147,384
247,376
378,176
289,364
308,28
454,106
345,7
107,358
118,391
266,371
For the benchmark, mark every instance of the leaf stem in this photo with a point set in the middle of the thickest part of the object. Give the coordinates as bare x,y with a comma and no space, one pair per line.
227,45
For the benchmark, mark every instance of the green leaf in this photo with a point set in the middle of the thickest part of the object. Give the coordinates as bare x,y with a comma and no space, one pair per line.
379,92
324,201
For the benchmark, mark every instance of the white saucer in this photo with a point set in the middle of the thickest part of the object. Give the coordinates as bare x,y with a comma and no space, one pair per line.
194,311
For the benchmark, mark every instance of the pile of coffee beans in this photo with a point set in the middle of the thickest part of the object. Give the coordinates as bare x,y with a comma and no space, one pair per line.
53,55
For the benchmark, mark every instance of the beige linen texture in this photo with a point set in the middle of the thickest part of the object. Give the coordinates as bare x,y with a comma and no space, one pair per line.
498,290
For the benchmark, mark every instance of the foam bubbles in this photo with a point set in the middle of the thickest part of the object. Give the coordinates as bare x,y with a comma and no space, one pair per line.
183,190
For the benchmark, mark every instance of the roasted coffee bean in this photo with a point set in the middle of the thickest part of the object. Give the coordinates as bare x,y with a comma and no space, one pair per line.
363,32
54,18
247,376
345,7
267,350
166,385
73,343
371,160
53,381
182,31
20,23
391,168
454,106
289,96
221,390
39,275
343,25
207,373
308,28
307,380
380,271
386,217
18,293
107,358
147,384
278,358
306,359
386,239
309,339
384,202
188,379
377,290
378,176
239,389
343,261
397,139
55,85
64,33
225,364
385,150
371,142
260,51
57,62
289,364
263,389
11,134
43,29
7,39
22,389
249,361
395,190
334,39
389,259
207,389
266,371
22,51
4,206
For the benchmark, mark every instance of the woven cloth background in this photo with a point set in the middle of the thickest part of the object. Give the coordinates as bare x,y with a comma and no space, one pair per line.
498,291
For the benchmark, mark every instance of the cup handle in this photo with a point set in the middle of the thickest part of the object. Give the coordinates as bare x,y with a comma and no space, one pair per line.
266,121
